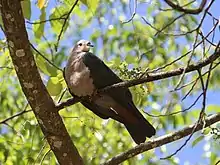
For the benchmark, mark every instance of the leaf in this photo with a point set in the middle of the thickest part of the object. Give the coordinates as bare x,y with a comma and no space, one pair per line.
42,65
92,5
213,158
58,24
1,22
84,2
39,28
206,131
51,69
149,87
45,67
54,86
26,9
197,140
40,3
130,59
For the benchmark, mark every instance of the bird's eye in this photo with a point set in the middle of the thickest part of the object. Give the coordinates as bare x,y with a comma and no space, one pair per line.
80,44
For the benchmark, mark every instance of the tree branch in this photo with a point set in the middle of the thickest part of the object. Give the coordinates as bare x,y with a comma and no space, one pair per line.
152,77
36,93
187,11
14,116
165,139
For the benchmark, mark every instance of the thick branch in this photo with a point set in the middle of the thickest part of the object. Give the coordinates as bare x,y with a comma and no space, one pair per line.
38,97
152,77
157,142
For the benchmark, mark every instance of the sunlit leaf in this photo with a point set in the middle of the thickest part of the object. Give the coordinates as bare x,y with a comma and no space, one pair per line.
92,5
26,8
197,140
57,13
39,28
40,3
45,67
54,86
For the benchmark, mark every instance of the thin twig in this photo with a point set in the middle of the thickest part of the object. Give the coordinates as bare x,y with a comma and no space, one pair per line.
48,20
187,4
194,81
64,23
13,116
5,67
184,144
187,11
50,48
188,63
41,162
184,55
202,112
171,22
41,150
65,90
190,90
45,58
198,121
133,14
169,34
174,113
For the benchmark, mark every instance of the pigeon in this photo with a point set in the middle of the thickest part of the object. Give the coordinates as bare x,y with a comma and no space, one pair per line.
85,74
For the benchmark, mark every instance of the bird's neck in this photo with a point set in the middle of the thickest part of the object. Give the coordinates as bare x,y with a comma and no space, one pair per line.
75,57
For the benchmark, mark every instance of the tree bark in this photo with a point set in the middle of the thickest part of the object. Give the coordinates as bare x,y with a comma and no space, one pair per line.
36,93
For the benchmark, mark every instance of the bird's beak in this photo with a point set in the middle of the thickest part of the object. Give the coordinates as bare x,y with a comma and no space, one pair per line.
90,45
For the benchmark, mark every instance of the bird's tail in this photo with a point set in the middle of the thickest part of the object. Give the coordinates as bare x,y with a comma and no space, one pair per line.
141,130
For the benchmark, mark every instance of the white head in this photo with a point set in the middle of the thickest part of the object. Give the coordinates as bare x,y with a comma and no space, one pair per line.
82,46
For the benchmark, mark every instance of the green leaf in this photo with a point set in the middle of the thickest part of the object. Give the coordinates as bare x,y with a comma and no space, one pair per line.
130,59
52,71
26,9
57,24
92,5
41,64
1,22
206,131
54,86
197,140
213,159
45,67
39,28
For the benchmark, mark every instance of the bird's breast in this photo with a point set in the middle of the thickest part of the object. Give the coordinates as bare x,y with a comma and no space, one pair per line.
78,78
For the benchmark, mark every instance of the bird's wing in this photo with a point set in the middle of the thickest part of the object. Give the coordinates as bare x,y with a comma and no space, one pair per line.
99,70
126,111
103,76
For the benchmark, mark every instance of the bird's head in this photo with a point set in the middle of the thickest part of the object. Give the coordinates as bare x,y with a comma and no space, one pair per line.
82,46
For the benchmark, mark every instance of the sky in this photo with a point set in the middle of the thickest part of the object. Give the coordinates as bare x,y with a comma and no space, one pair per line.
188,154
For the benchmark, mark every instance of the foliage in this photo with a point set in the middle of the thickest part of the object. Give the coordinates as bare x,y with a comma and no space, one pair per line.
128,48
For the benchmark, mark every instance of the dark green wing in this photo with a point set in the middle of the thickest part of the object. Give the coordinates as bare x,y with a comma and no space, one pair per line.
103,76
